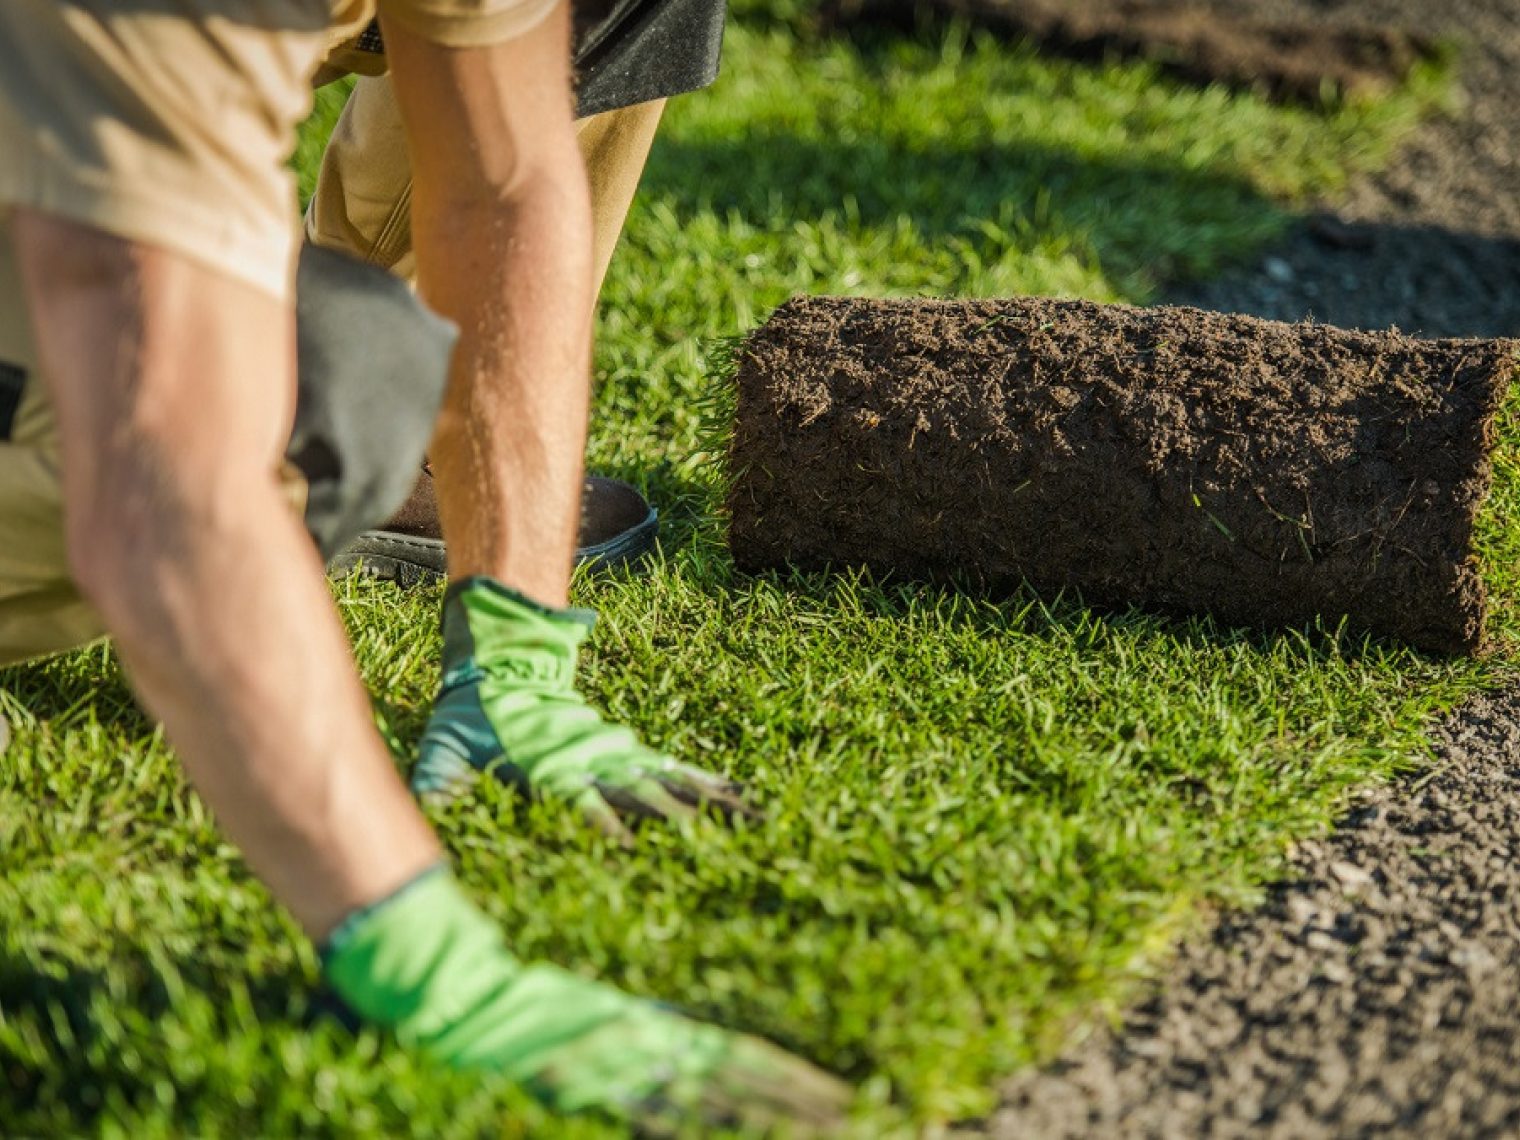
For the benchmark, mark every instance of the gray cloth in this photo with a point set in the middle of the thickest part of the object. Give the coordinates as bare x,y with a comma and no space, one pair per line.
372,364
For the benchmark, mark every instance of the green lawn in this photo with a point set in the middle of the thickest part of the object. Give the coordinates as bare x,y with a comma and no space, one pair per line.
985,817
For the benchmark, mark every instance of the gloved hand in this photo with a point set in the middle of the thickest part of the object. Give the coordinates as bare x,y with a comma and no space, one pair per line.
427,964
372,365
508,706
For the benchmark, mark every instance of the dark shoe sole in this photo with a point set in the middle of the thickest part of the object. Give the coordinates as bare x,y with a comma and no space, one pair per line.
409,560
392,558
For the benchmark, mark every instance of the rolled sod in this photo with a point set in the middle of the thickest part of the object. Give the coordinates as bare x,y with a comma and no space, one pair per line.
1170,458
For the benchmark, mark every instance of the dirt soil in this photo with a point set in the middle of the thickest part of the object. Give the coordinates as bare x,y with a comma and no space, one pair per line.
1287,57
1262,472
1377,993
1432,244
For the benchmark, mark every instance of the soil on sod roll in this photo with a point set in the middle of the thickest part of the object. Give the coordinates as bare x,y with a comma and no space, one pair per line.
1265,473
1285,58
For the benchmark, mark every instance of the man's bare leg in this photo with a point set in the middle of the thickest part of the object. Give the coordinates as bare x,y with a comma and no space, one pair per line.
503,246
502,234
363,205
174,388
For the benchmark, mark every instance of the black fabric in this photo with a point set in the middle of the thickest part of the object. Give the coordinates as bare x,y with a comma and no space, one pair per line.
372,363
371,40
633,51
12,385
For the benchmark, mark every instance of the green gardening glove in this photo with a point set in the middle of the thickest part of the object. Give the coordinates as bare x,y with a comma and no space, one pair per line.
508,707
428,965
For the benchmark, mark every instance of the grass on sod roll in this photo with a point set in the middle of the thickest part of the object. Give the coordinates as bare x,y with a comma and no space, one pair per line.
984,817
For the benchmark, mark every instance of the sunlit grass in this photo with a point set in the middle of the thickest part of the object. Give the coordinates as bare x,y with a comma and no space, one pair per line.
984,816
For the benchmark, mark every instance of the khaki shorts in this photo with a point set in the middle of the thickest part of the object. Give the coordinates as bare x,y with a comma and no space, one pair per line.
40,611
362,206
362,203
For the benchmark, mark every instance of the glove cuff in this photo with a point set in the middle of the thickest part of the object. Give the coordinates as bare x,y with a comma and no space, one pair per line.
356,921
419,960
499,595
488,625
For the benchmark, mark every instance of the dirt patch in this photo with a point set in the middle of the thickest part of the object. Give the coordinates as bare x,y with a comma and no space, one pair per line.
1426,279
1377,992
1286,58
1263,472
1435,237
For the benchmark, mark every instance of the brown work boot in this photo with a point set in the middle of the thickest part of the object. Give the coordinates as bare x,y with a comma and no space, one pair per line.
617,526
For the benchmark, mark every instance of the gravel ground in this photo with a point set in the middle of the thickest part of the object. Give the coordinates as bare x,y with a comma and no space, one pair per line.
1431,245
1377,993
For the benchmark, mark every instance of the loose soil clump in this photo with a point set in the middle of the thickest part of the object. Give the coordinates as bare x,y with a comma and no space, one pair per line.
1265,473
1377,992
1300,60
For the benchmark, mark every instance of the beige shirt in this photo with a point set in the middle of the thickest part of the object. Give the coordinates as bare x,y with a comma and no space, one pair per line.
169,122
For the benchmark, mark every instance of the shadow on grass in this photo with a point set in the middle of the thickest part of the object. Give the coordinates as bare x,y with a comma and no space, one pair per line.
1157,219
66,690
92,1026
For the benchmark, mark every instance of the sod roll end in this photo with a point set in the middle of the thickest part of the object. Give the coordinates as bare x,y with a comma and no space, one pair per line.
1265,473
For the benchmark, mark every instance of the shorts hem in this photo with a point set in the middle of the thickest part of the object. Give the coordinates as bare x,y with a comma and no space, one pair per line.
177,222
